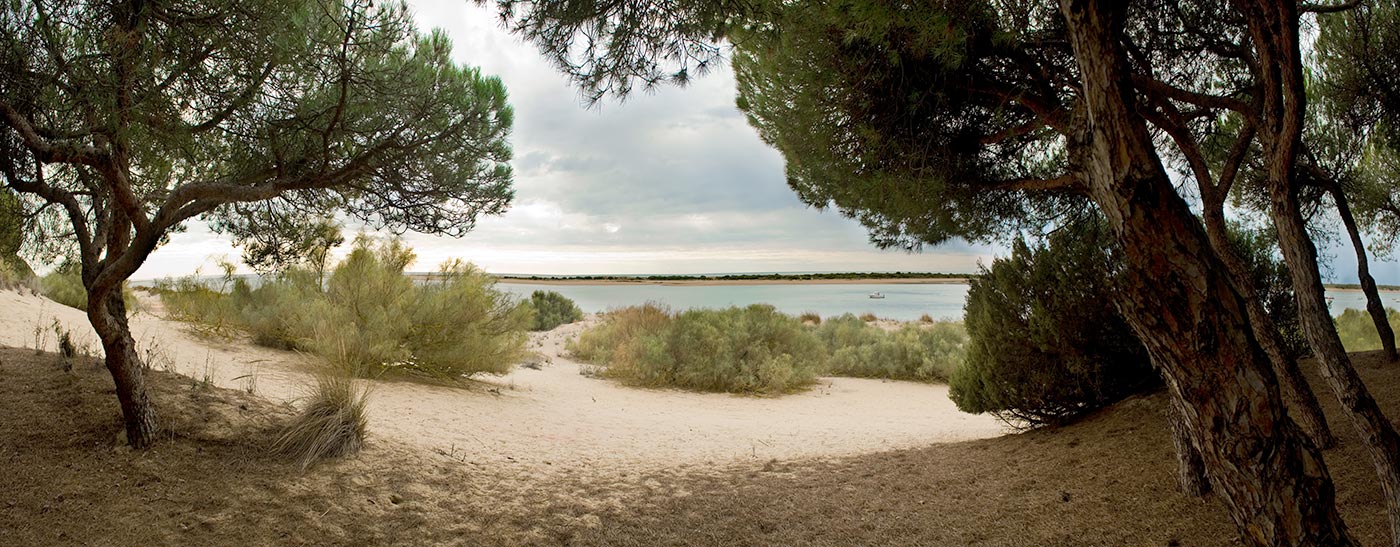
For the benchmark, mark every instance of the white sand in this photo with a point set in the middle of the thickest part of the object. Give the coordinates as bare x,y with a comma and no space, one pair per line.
555,419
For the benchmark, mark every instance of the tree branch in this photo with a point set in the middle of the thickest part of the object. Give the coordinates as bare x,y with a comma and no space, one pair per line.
1154,86
52,151
1329,8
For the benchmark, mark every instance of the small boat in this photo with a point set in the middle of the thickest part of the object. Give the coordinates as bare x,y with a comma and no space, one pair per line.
876,295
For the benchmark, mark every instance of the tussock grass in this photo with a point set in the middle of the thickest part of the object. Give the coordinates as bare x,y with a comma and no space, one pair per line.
758,350
332,424
738,350
925,318
1358,332
810,317
868,317
553,309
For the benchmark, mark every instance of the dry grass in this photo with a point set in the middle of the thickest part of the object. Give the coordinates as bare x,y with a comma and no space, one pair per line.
926,318
333,423
211,481
810,317
868,317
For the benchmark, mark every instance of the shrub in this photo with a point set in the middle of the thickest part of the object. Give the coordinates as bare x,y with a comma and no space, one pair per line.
924,353
1358,332
1046,343
811,317
65,286
619,331
333,423
741,350
868,317
925,318
460,325
553,309
371,317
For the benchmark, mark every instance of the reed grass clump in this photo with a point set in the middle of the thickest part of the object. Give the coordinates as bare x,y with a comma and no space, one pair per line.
739,350
332,424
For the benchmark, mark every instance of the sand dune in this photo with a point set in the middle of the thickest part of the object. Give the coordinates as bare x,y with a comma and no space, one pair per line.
554,419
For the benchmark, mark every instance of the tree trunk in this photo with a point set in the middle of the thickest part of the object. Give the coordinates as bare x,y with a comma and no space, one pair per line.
1191,471
1186,310
1273,26
1363,274
1302,402
108,316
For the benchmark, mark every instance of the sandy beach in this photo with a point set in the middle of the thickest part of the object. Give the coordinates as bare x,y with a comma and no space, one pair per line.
552,418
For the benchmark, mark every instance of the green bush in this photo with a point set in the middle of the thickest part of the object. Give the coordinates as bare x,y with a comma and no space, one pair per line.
1046,342
65,286
1358,332
739,350
553,309
371,317
461,325
926,353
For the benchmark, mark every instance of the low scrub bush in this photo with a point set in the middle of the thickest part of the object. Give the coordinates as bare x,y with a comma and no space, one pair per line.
740,350
868,317
65,286
371,317
926,353
1358,332
810,317
553,309
15,274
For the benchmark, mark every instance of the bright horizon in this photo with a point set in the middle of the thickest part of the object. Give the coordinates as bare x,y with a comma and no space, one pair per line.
668,182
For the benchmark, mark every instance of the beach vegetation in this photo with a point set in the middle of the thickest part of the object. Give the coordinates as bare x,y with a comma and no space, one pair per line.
553,309
754,349
919,352
332,423
1358,331
371,318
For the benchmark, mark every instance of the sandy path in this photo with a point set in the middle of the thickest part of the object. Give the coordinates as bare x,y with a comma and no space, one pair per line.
555,419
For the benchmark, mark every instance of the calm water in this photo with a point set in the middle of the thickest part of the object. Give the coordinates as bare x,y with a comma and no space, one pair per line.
901,302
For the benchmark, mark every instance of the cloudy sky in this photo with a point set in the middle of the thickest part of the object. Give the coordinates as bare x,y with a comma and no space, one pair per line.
669,182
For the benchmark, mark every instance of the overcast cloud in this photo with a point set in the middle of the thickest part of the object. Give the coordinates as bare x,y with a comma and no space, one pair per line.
669,182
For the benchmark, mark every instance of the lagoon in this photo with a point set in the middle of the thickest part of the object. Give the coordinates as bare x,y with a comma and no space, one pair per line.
902,302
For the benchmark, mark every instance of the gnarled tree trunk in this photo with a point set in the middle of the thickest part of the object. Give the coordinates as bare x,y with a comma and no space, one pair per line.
1186,310
1190,469
1273,26
1374,306
107,312
1302,402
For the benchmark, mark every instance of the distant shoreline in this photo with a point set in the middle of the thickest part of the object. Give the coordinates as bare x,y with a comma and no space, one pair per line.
713,281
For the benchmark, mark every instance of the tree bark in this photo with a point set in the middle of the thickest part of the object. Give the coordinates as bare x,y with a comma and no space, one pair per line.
1363,273
1190,469
1302,402
1273,27
1186,310
108,316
